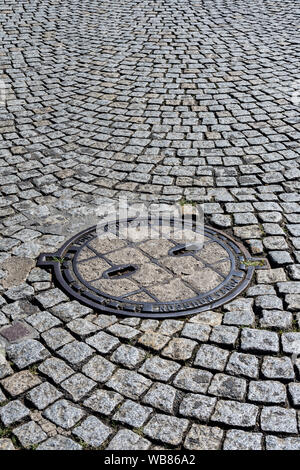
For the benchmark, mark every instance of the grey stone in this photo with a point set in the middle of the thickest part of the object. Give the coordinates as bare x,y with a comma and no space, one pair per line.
223,385
196,331
50,298
57,337
267,391
202,437
92,431
59,443
98,369
294,392
226,335
82,327
19,292
132,414
197,406
123,331
280,258
129,383
269,302
235,414
294,271
276,419
77,386
283,443
243,364
276,319
211,357
128,440
26,353
193,380
128,356
167,429
43,321
159,369
56,369
70,311
76,352
241,440
262,341
64,414
161,396
277,368
13,412
291,343
103,342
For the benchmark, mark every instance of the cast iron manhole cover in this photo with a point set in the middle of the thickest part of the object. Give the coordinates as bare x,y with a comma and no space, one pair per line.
150,278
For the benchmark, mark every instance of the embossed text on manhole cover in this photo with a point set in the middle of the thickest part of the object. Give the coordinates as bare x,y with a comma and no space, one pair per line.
150,278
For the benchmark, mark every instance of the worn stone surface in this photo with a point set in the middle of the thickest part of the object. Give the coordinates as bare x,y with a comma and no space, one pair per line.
197,406
16,272
128,440
129,383
103,401
92,431
13,412
59,443
26,353
203,438
64,414
19,383
275,419
161,396
267,391
43,395
132,414
241,440
30,434
6,444
235,414
193,380
168,429
224,385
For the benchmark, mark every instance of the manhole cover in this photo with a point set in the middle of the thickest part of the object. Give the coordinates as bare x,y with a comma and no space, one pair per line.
150,278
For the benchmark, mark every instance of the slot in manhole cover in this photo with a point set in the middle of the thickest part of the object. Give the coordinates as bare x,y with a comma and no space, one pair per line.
151,278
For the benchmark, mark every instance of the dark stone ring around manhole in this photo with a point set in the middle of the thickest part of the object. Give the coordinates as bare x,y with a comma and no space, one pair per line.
150,278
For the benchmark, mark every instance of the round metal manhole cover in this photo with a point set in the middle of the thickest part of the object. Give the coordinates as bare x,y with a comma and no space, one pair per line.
151,278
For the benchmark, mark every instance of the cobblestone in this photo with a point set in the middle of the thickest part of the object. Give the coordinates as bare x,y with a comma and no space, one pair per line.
168,429
64,414
241,440
204,438
276,419
92,431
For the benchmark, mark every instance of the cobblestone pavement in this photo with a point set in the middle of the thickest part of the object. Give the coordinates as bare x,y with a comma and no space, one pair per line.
168,100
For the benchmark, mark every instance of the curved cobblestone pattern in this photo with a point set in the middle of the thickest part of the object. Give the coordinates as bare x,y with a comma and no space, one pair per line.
171,100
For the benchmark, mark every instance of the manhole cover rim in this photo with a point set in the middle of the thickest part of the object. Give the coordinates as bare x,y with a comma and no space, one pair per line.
90,299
